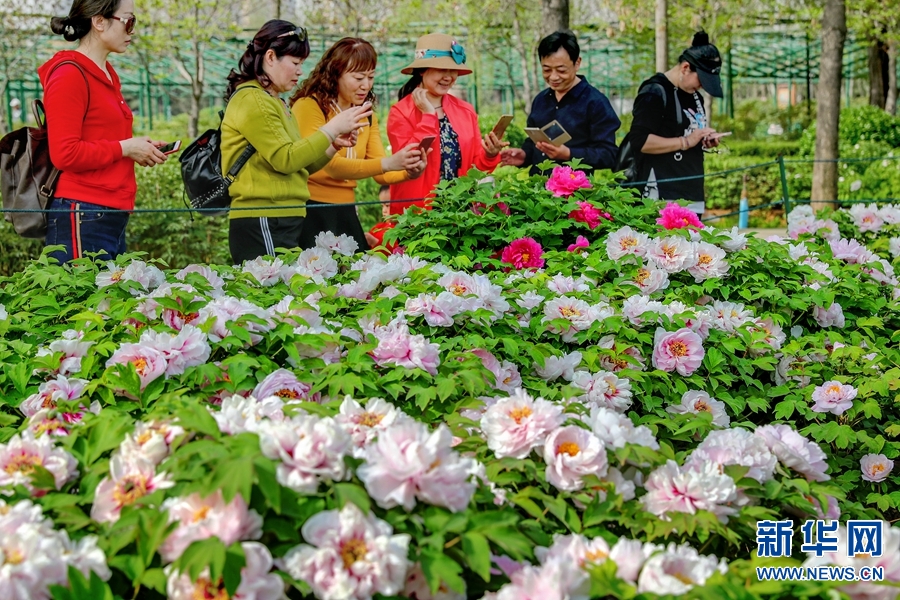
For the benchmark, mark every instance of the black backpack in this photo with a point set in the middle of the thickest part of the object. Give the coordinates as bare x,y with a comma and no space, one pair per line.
201,171
626,161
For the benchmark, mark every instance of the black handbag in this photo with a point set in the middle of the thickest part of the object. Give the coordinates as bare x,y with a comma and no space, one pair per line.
627,158
201,171
27,176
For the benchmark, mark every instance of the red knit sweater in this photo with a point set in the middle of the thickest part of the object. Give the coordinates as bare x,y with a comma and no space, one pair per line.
84,140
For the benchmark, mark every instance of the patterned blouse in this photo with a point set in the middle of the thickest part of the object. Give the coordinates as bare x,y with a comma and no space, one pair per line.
451,157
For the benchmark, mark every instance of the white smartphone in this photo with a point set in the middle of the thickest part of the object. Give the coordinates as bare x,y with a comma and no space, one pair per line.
171,148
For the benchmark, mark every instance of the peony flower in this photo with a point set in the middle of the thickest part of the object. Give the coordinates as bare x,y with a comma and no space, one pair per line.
672,254
578,313
315,263
580,242
342,244
149,363
677,570
833,397
514,426
129,480
407,462
894,246
349,556
257,580
629,556
228,310
603,389
310,449
557,579
266,272
364,424
866,217
283,384
61,389
696,401
626,242
650,279
795,451
674,216
711,263
523,253
680,351
616,361
506,374
736,446
238,414
5,315
23,452
438,310
146,276
635,307
687,489
875,467
150,442
571,453
615,430
589,214
559,366
200,518
189,348
565,181
396,346
562,284
833,317
204,271
728,316
736,240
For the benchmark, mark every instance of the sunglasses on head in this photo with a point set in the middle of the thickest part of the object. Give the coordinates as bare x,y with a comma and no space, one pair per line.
130,22
300,32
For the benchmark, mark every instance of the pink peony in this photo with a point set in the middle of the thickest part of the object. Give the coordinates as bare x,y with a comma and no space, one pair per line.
672,254
674,216
506,374
523,253
200,518
565,181
676,570
61,389
283,384
438,309
398,347
736,446
149,362
833,397
589,214
650,279
407,462
626,242
349,556
190,348
875,467
833,317
23,452
364,424
150,441
73,349
556,579
680,351
571,453
687,489
580,242
696,401
129,480
795,451
310,449
515,425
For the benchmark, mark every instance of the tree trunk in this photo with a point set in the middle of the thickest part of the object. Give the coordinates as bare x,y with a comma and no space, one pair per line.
876,74
196,91
524,52
662,36
278,9
890,103
828,96
556,15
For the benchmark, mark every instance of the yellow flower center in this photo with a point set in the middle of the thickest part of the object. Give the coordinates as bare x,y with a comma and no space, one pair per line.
370,419
642,275
678,349
517,414
48,425
704,259
833,389
353,551
683,578
458,289
568,311
205,589
701,405
129,490
286,393
117,275
525,256
48,402
595,556
570,448
200,514
14,557
668,251
144,437
140,365
22,463
629,242
877,468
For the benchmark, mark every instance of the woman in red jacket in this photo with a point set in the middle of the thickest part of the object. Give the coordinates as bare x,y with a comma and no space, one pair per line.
89,128
427,109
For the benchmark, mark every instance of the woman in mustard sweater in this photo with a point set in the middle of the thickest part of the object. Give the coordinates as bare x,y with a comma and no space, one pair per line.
342,80
268,194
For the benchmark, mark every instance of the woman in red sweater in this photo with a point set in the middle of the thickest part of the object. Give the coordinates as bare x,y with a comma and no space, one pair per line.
427,109
89,128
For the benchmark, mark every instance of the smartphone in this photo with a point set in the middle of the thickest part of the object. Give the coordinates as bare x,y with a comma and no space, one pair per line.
500,128
716,136
536,134
171,148
556,133
426,143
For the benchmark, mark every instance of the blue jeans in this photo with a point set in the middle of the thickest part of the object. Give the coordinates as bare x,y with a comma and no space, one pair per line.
83,227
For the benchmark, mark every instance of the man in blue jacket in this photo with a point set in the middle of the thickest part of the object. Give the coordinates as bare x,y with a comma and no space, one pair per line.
582,110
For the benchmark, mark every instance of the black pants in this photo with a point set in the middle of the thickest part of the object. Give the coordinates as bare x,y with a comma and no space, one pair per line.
336,218
252,237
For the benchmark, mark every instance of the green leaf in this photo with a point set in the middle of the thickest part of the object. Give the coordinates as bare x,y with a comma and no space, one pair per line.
350,492
438,567
200,555
235,560
478,553
195,417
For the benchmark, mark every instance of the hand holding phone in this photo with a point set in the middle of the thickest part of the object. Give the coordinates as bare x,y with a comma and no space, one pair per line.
500,128
171,148
717,135
426,143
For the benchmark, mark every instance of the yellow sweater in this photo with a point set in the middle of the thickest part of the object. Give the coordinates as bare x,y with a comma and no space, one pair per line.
336,182
276,174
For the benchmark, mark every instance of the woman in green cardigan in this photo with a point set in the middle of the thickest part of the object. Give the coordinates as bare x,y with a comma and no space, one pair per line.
269,193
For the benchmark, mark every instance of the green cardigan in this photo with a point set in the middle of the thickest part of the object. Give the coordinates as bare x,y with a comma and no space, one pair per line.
276,174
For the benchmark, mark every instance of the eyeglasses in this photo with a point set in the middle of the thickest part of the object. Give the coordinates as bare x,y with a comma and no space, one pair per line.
130,22
300,32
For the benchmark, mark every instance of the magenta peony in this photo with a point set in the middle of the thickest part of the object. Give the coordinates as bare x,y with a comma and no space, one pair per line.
565,181
674,216
523,253
680,351
589,214
580,242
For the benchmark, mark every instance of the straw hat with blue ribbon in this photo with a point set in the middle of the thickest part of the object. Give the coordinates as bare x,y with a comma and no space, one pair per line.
438,51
